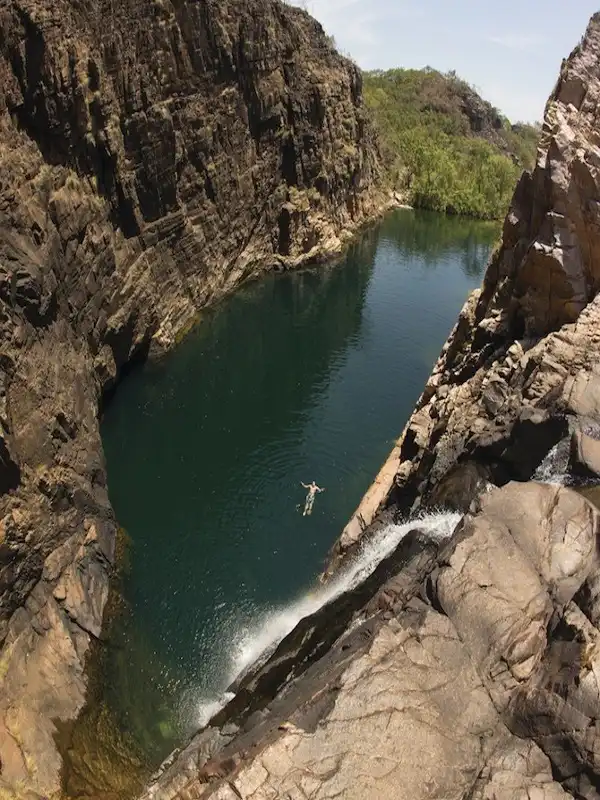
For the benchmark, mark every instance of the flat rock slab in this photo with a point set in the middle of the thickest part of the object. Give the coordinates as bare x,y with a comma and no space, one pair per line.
410,716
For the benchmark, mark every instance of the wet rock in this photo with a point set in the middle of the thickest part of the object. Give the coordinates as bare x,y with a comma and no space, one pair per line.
460,487
585,455
314,635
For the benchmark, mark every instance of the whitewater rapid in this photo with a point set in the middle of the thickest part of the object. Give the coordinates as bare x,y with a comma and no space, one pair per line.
554,469
263,636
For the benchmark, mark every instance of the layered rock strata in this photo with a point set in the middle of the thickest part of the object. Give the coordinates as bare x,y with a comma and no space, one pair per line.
153,154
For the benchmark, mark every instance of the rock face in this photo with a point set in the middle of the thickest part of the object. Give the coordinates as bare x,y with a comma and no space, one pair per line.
472,671
153,154
585,455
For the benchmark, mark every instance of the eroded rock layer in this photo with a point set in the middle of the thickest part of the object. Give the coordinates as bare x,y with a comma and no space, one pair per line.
153,154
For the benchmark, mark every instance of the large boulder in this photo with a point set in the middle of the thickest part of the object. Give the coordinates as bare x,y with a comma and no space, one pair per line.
513,569
585,455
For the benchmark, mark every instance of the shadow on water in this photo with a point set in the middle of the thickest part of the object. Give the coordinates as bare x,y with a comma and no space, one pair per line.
302,376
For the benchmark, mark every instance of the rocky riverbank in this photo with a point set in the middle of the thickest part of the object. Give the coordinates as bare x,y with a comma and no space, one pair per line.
153,155
467,670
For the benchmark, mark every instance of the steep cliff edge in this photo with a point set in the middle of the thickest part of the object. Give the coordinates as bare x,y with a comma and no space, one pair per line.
153,154
470,669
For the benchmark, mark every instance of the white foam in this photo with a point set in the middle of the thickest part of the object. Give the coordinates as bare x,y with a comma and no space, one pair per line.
253,641
208,708
260,639
553,469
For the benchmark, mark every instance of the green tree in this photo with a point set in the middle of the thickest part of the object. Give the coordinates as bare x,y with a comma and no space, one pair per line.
436,155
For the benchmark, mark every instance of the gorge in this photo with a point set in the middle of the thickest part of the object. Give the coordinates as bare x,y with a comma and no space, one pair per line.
467,669
221,556
153,156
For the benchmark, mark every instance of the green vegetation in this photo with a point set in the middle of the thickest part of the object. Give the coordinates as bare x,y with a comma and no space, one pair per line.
446,148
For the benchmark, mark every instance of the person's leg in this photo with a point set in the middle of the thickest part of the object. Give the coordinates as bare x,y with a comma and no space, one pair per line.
309,504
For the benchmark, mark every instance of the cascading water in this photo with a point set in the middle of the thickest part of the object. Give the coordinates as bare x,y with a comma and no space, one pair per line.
553,468
258,641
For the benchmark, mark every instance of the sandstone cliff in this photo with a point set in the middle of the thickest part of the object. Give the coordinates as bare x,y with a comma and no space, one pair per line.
153,154
468,670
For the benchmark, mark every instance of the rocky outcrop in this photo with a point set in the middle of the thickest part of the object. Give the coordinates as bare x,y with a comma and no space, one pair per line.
153,154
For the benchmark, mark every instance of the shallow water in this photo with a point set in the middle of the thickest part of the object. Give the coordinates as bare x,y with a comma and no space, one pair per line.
298,377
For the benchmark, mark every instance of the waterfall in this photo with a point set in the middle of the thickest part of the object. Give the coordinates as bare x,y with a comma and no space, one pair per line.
554,467
262,637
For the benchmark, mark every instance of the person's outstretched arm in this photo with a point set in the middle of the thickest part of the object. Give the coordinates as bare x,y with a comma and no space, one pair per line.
303,484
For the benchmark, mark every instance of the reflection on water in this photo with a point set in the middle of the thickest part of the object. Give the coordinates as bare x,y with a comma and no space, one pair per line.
297,377
433,238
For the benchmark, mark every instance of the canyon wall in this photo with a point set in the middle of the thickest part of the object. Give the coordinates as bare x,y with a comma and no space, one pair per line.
467,668
153,154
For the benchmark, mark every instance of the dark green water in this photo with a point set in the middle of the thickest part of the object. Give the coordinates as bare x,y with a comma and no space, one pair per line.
297,377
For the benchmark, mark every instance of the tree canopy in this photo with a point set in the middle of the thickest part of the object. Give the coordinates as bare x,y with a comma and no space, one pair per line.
446,148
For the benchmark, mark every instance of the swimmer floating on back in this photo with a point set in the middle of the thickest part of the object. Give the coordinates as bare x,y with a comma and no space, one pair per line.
310,497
